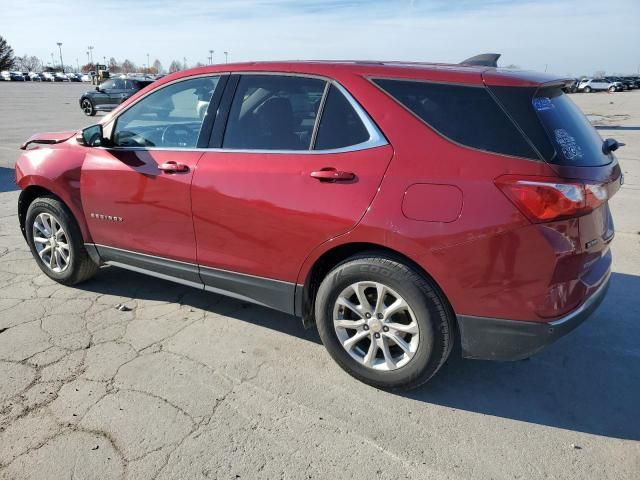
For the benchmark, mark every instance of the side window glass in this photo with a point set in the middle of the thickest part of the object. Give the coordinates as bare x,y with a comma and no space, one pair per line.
169,117
273,112
340,125
118,84
107,85
467,115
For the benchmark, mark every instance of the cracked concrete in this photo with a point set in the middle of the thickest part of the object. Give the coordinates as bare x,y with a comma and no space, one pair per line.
194,385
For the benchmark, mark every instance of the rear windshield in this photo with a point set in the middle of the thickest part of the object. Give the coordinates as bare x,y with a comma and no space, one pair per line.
466,114
575,140
554,124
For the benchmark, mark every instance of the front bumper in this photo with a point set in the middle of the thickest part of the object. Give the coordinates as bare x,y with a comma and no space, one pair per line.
498,339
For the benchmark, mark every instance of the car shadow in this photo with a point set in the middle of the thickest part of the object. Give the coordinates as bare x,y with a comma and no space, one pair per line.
7,180
588,381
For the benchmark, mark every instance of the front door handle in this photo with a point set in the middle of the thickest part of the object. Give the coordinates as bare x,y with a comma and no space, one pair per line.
330,174
173,167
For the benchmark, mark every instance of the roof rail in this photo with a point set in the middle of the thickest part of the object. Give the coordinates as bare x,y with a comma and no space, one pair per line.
483,60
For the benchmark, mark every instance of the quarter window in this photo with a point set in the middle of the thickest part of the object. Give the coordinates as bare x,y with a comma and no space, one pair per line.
465,114
170,117
273,112
340,125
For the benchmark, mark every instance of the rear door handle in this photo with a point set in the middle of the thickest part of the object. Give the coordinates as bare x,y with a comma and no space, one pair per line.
330,174
173,167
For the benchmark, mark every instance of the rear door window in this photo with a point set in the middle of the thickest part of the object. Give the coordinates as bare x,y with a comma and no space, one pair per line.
273,112
340,125
465,114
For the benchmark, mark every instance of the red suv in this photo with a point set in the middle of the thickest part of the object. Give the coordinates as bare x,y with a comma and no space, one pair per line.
399,207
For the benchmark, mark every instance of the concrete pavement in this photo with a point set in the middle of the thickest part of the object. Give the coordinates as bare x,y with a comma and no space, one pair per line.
191,385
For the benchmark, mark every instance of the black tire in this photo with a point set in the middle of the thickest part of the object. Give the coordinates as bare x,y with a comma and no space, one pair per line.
80,266
432,312
587,90
87,107
612,89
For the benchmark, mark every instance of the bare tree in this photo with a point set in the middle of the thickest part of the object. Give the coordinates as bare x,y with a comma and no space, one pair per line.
28,63
199,64
114,66
128,66
157,66
175,66
6,55
599,73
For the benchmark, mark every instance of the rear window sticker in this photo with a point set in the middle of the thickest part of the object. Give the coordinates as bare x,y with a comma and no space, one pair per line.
570,149
542,103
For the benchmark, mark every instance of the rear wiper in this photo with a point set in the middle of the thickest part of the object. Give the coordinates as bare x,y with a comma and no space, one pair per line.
611,145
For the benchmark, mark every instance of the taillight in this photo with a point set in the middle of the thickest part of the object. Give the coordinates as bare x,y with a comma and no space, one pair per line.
544,200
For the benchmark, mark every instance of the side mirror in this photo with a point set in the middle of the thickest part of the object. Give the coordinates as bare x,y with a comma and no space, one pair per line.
91,136
611,145
98,88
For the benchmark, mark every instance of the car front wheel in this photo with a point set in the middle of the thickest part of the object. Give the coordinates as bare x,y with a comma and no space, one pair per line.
587,90
87,107
383,322
56,242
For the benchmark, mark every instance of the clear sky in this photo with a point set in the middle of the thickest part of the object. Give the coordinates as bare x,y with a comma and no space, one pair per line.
570,37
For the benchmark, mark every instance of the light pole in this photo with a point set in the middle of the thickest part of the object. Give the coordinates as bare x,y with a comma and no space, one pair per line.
184,60
61,62
211,57
53,63
90,47
226,57
148,65
78,65
88,57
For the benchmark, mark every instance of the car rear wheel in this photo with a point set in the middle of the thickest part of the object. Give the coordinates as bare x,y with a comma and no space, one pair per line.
612,89
56,242
383,322
88,108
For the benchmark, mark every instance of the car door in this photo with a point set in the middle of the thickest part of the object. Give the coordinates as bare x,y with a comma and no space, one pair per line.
136,191
295,162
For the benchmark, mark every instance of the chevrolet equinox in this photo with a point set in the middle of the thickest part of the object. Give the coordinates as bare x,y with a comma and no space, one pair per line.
399,207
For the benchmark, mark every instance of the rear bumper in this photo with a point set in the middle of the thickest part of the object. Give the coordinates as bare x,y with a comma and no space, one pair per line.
498,339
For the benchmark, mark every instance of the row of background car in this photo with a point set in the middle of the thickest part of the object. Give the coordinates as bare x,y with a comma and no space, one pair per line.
603,84
63,77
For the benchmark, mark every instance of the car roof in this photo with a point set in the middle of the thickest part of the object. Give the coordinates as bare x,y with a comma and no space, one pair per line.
454,73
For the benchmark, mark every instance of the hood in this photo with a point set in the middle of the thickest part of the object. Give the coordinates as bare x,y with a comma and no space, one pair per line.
48,138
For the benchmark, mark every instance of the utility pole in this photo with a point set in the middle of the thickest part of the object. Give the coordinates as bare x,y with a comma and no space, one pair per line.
211,57
91,53
60,49
226,57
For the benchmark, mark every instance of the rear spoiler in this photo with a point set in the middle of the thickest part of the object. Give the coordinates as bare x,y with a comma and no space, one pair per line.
483,60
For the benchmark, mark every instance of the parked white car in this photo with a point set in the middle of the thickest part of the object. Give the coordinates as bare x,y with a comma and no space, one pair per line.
5,76
588,85
48,77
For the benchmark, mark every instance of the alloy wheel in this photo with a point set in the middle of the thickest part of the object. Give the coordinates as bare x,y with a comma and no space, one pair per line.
376,326
87,108
51,242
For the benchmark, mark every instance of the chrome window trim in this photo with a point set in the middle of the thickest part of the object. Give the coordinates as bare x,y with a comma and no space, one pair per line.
376,137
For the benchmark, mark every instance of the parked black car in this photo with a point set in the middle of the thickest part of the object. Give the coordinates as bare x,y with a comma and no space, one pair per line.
110,93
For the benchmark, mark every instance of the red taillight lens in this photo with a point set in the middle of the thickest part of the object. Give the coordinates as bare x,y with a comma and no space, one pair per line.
544,200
